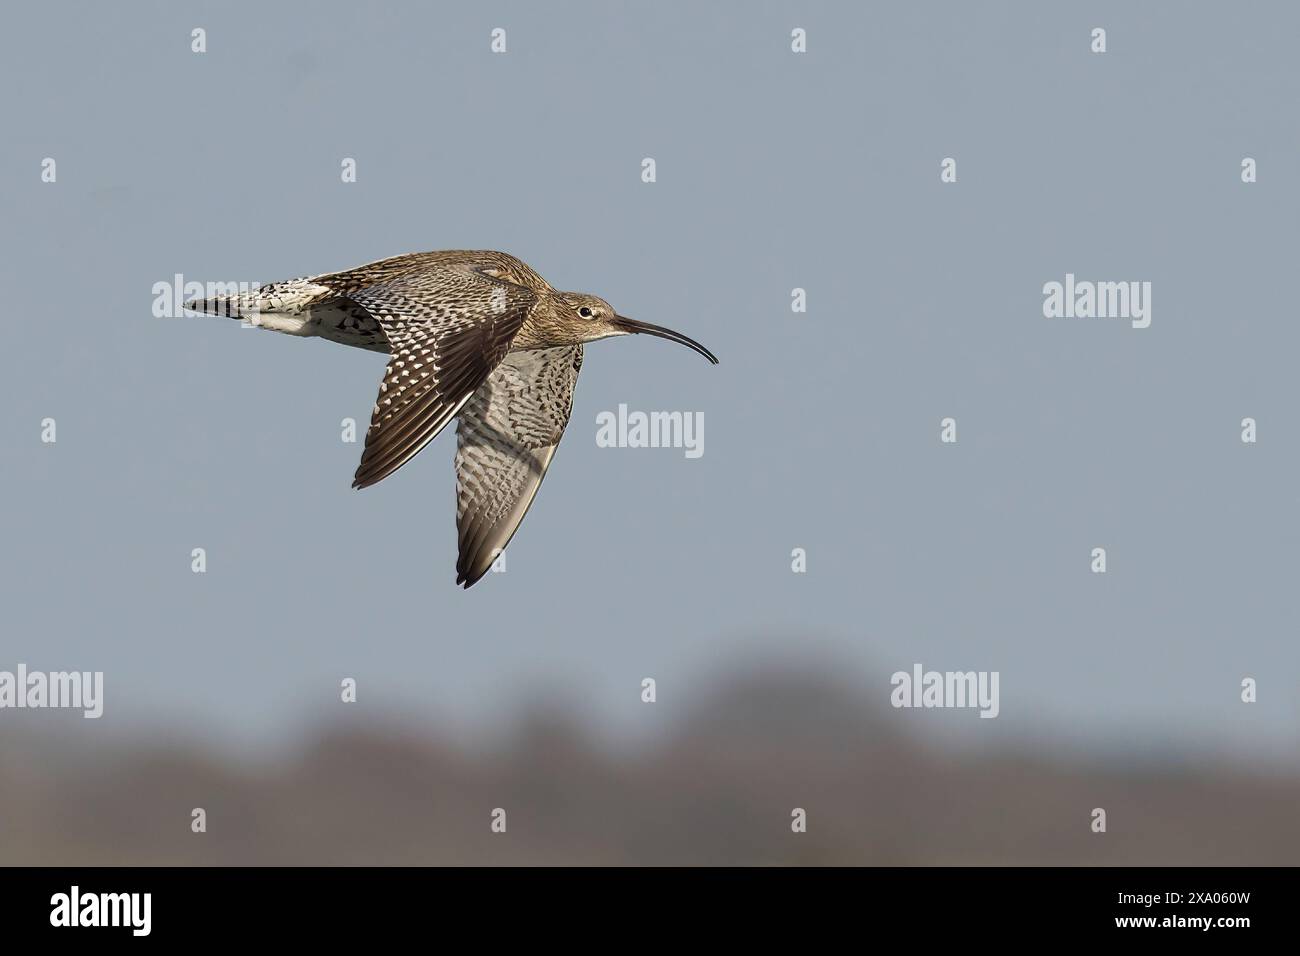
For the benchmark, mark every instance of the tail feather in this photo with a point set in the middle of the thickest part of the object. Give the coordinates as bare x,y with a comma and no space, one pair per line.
282,306
232,306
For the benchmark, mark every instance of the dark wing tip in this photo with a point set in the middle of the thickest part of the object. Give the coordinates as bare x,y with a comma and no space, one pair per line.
475,551
467,577
365,476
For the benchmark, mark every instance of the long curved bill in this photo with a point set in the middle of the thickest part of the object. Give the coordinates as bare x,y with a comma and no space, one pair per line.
632,325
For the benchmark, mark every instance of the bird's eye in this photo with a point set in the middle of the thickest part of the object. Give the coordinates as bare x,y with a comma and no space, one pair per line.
585,312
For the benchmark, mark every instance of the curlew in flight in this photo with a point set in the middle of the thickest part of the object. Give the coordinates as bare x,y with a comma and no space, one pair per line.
477,335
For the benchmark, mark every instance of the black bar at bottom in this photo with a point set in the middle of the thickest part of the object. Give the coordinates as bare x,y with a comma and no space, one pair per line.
332,905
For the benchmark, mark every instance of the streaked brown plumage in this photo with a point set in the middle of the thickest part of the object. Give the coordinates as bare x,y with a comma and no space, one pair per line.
474,334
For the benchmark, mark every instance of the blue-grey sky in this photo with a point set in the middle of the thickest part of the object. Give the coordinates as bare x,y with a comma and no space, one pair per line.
775,170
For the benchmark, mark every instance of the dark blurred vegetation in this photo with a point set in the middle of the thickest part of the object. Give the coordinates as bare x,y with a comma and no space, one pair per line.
718,790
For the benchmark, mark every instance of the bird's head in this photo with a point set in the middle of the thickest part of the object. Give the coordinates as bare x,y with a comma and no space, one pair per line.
592,318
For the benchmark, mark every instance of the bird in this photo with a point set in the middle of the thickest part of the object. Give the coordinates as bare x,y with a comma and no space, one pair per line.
476,335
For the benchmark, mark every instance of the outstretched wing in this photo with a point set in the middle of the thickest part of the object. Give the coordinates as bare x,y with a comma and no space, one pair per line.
506,438
448,327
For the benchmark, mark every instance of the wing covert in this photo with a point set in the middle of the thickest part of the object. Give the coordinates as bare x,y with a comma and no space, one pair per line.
447,329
